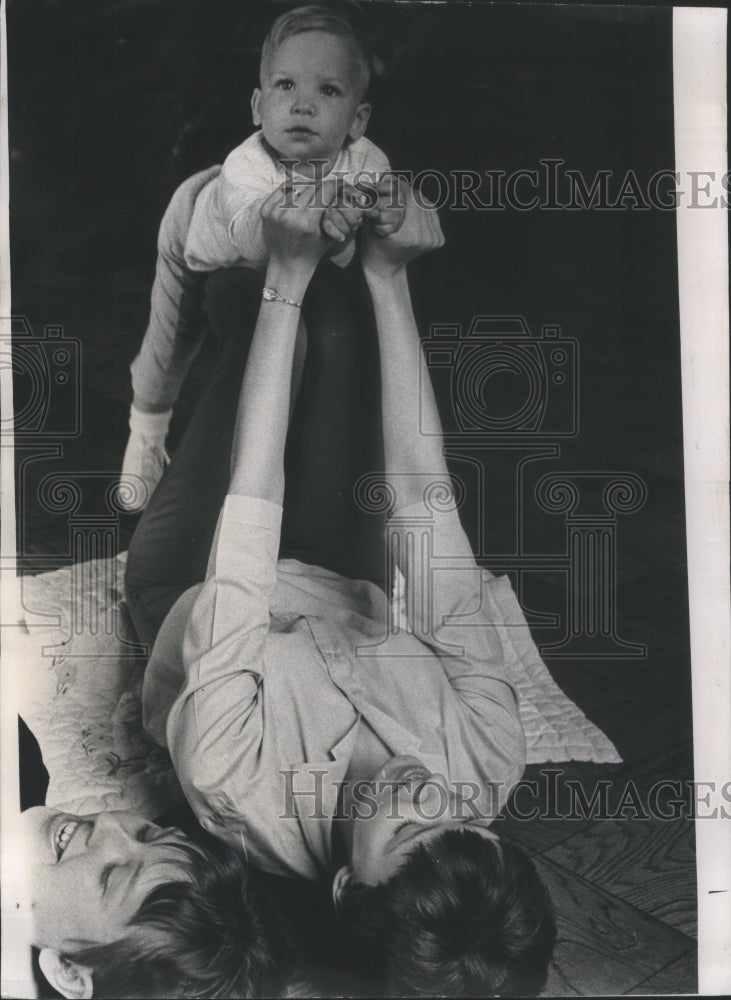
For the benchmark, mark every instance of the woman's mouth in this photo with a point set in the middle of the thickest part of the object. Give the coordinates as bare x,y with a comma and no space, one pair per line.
62,834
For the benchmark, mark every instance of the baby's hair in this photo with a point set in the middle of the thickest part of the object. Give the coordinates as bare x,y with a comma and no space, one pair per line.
317,17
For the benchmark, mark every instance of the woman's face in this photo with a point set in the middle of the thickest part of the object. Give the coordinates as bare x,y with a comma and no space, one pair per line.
411,807
89,875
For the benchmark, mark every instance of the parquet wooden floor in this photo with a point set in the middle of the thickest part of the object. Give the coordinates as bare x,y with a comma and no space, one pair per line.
605,946
680,976
625,888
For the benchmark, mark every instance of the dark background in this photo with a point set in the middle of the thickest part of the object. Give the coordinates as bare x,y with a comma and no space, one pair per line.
113,104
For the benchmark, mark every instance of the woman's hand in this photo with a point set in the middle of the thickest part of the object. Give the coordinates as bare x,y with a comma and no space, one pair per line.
291,222
386,256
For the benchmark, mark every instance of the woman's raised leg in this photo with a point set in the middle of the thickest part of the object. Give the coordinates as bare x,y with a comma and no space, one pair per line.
335,435
171,544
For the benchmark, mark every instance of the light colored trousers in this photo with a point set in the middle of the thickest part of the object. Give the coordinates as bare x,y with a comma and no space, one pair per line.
175,330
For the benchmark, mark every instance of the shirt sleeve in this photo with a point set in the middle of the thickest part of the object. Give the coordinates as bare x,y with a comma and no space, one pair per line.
247,179
369,158
215,726
451,606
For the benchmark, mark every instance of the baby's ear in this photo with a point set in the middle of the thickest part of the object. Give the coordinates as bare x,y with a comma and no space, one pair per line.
360,120
255,102
70,979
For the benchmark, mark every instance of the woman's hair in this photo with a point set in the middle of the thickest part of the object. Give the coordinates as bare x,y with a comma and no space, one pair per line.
211,934
464,916
337,20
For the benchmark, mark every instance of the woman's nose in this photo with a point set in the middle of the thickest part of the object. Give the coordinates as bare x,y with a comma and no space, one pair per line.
110,831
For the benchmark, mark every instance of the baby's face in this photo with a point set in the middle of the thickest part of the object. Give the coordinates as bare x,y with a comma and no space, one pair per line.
310,98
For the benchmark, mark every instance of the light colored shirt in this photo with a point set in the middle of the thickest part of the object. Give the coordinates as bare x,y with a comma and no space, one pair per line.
270,665
226,229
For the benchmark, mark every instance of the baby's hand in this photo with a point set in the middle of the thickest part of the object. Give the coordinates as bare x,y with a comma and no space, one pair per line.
339,223
341,220
387,215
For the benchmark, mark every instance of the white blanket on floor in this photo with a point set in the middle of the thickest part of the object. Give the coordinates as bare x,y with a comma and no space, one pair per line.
80,676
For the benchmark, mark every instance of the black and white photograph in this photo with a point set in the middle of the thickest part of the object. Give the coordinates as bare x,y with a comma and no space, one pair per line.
365,530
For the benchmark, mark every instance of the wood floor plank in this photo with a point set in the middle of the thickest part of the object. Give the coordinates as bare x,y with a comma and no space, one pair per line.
649,863
680,976
605,946
561,812
547,790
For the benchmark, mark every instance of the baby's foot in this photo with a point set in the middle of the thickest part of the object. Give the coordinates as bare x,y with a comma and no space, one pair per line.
145,459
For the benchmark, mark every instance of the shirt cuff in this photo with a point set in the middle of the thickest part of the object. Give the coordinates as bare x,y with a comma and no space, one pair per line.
442,518
239,509
421,511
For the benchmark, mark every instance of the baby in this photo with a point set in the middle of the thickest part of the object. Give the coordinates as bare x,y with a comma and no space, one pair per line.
310,107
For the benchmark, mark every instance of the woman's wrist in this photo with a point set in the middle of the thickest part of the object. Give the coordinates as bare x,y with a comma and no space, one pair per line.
380,282
289,278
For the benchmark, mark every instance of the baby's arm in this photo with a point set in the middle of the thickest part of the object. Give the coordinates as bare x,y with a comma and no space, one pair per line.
246,181
243,188
245,230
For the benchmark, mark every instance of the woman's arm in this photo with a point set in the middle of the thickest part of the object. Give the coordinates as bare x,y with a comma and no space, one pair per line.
296,244
449,599
408,402
215,726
